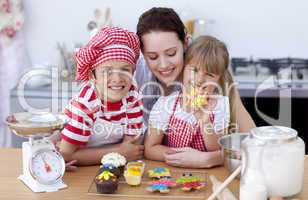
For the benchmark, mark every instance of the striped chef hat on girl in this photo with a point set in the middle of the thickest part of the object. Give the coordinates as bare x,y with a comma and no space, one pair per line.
110,43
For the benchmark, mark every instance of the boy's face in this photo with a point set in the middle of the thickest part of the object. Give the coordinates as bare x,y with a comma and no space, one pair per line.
198,78
114,79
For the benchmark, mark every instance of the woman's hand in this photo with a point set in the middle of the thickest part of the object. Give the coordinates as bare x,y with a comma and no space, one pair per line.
192,158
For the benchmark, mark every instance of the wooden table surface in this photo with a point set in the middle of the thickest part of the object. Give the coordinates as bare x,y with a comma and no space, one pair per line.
79,181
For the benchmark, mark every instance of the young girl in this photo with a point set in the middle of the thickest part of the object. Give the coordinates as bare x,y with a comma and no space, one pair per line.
108,109
186,125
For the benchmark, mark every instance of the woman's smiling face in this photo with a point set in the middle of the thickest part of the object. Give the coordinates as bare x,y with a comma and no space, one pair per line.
164,54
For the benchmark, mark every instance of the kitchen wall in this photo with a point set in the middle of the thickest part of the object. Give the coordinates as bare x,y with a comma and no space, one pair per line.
263,28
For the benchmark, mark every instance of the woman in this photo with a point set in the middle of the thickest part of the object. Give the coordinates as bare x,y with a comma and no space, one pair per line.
163,42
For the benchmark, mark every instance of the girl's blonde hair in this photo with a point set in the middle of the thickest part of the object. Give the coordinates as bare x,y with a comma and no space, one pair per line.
211,53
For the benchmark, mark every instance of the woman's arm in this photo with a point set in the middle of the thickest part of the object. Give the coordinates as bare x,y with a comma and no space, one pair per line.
244,120
93,156
192,158
154,150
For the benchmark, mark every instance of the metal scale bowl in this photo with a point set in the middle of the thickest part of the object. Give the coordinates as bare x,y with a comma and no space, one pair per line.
43,165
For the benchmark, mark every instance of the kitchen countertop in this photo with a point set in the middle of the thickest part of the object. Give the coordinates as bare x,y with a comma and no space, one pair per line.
79,181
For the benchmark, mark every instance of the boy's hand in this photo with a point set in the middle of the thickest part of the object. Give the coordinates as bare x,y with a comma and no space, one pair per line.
69,165
130,150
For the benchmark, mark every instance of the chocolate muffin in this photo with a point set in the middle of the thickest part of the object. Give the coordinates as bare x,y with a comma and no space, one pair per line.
106,182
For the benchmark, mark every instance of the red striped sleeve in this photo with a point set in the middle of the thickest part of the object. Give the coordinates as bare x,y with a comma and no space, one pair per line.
84,109
73,116
93,96
81,116
77,130
84,90
72,141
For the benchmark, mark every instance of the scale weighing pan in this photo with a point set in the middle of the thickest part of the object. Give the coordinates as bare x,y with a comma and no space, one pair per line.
25,124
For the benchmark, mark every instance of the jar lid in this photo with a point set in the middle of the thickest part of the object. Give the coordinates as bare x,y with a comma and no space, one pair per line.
274,134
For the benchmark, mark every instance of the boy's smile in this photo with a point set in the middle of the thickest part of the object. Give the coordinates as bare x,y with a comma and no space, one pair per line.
114,79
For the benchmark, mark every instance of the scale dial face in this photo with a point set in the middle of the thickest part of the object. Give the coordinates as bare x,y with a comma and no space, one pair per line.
47,166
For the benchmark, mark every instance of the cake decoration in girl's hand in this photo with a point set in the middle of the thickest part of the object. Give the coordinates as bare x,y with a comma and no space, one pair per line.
188,182
197,99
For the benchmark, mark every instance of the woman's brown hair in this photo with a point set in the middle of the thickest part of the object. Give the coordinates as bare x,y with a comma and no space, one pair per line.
160,19
211,53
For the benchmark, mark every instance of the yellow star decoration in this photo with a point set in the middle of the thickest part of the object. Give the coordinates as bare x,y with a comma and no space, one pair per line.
197,100
105,175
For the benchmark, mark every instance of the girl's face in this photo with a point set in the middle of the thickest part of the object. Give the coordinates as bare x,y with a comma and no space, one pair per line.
114,79
197,77
164,54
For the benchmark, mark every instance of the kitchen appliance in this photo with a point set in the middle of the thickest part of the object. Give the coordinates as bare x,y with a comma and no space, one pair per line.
272,163
43,166
243,66
286,72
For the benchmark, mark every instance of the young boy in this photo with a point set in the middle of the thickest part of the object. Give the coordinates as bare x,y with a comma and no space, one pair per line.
106,115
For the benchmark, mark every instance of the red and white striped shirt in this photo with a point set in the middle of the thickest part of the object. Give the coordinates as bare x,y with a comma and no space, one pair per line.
86,108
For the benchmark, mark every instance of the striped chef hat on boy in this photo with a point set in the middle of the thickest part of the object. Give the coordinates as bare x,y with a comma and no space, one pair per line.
110,43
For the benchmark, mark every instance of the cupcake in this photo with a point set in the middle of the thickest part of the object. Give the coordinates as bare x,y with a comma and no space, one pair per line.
106,182
114,162
133,172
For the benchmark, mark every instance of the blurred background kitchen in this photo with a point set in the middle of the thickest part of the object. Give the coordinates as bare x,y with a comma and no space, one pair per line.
268,42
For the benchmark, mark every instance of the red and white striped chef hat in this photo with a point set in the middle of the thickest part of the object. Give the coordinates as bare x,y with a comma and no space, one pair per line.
110,43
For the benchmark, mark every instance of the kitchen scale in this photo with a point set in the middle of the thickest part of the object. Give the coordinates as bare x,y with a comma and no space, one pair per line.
43,165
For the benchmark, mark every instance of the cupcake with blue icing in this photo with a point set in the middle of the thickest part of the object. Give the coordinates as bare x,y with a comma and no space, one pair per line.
113,162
